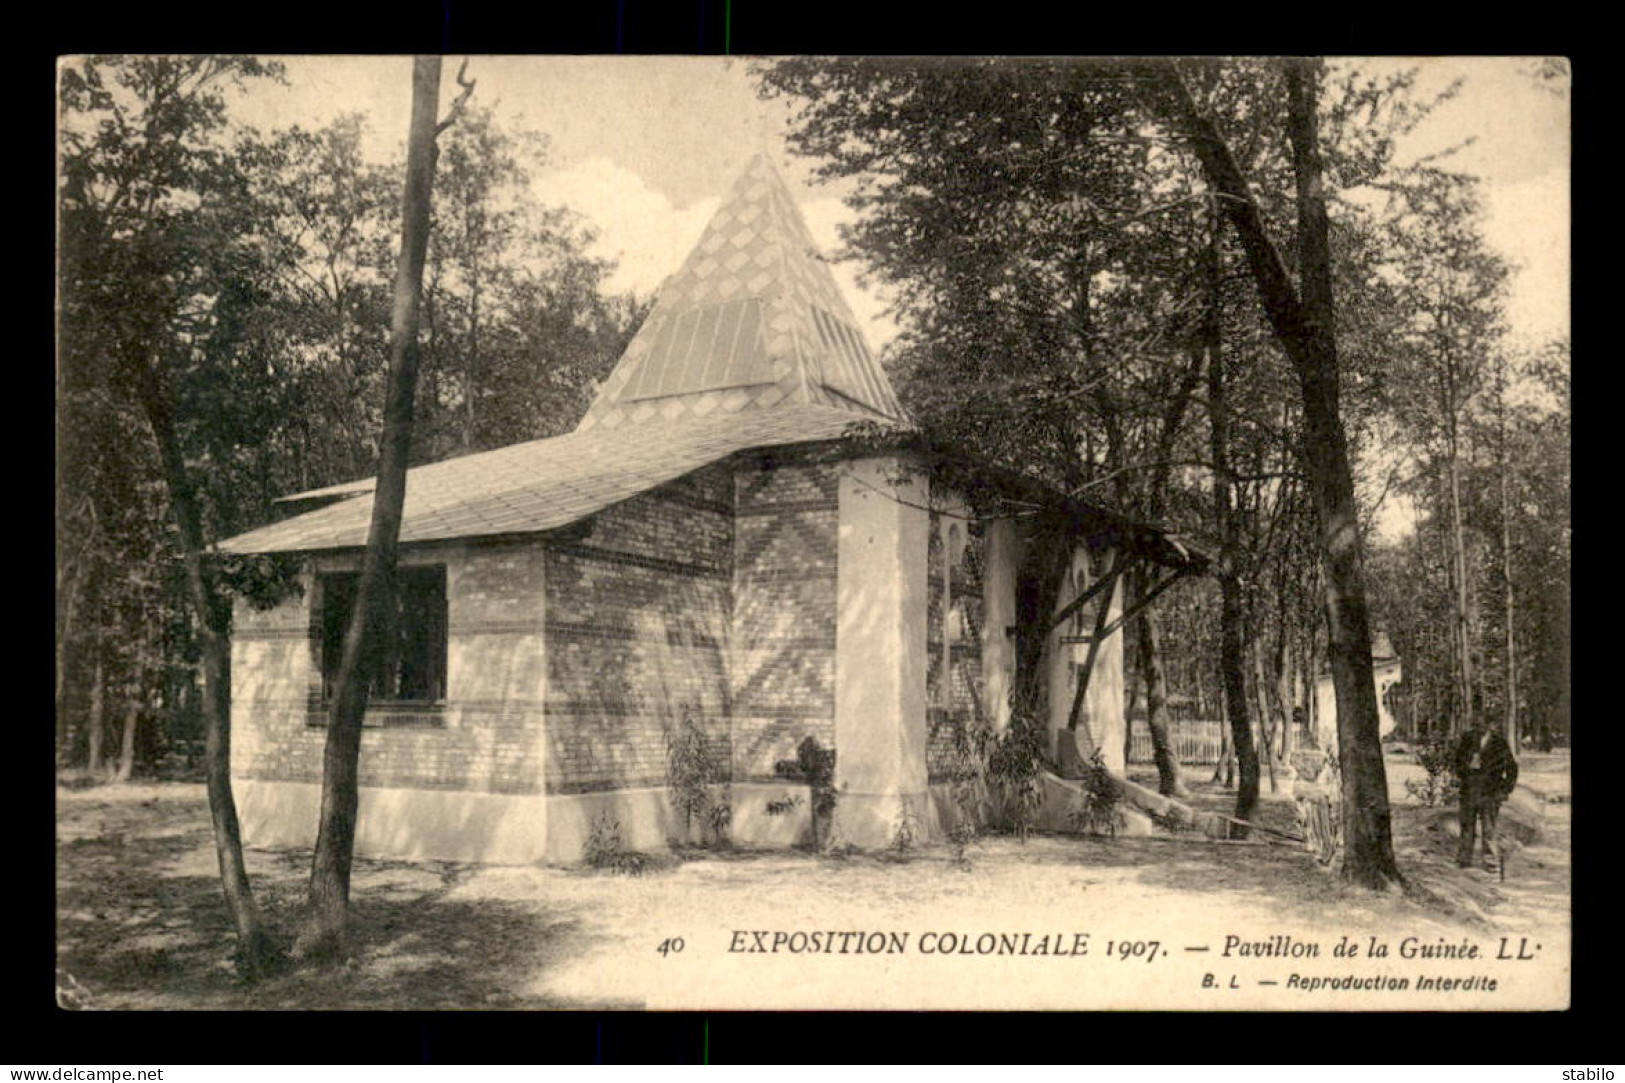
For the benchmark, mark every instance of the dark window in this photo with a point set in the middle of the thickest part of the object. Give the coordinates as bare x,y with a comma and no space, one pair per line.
411,664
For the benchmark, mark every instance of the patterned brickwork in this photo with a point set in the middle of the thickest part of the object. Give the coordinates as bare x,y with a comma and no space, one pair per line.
637,633
940,736
954,683
783,673
966,607
487,735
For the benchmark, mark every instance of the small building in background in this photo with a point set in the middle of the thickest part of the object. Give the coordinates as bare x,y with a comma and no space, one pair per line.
1390,676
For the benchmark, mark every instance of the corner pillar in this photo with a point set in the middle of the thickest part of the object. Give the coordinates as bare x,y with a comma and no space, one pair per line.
880,654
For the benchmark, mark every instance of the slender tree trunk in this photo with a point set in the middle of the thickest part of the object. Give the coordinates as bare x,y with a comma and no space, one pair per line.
98,693
125,766
126,755
1266,716
473,353
256,952
1169,781
1232,614
1285,682
68,599
326,937
1511,722
1466,678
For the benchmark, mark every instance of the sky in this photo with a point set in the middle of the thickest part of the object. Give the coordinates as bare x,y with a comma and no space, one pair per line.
645,147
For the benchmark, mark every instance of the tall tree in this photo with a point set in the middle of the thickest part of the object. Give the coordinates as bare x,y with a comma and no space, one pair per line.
1303,316
326,936
1451,287
159,279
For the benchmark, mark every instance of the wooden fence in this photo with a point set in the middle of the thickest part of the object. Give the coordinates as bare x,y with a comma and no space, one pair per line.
1197,742
1194,741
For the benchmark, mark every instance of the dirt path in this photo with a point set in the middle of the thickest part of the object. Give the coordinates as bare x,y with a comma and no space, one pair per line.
140,922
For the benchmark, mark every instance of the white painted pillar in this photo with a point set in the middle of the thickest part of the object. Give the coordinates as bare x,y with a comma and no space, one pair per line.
1103,703
1102,719
880,653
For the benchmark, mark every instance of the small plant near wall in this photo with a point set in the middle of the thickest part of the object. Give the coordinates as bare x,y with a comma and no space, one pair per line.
968,792
1097,811
719,818
815,767
606,852
905,838
1013,762
783,806
692,770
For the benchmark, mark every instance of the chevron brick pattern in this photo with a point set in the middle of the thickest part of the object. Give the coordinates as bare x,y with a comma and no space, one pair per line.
637,635
954,641
783,659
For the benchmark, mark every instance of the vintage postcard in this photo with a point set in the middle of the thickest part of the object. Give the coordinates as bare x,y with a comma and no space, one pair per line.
875,534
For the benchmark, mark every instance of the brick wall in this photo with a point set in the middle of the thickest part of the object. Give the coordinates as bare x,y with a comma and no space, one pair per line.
954,616
486,737
783,679
712,597
637,630
940,735
966,609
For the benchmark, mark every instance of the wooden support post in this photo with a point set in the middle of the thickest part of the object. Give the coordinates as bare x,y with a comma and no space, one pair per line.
1113,573
1146,599
1079,602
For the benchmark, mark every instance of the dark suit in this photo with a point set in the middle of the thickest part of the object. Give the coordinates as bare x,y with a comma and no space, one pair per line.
1487,771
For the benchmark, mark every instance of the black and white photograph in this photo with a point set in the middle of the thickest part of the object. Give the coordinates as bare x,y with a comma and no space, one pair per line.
859,533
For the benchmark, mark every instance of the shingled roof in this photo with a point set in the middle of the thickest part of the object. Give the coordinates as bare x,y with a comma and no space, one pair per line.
753,319
543,484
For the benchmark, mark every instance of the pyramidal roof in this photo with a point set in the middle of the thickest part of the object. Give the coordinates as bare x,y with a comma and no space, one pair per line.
752,320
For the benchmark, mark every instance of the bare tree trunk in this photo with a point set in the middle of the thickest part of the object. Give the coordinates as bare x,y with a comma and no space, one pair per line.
326,937
1368,831
1232,640
257,954
1266,716
1511,722
98,683
125,766
1305,325
126,755
1169,781
1284,697
473,351
1466,678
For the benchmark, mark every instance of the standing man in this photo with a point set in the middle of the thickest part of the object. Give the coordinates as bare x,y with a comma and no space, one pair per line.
1487,771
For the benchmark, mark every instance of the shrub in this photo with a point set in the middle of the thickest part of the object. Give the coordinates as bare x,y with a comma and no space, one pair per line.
1013,762
1097,811
905,830
604,850
1437,757
691,770
814,766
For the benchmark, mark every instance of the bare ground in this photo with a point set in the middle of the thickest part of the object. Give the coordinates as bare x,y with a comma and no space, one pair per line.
141,924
